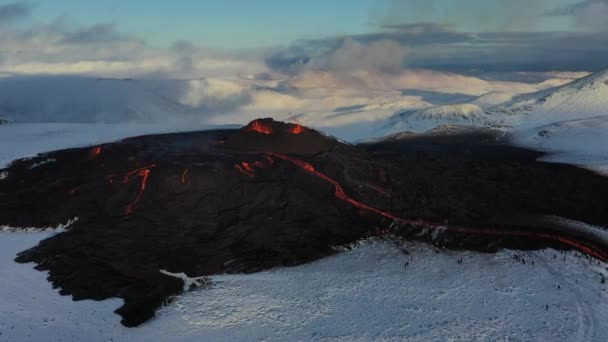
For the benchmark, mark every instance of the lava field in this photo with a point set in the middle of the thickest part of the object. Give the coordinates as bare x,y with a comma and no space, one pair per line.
279,194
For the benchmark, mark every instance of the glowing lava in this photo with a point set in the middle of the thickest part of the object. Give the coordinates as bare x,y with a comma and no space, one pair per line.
260,127
266,127
248,168
297,128
242,170
339,192
95,152
143,173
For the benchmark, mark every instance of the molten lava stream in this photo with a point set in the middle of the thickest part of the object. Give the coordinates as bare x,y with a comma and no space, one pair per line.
339,192
144,173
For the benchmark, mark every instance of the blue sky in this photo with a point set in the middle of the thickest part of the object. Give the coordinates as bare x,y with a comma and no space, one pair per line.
226,23
247,23
120,37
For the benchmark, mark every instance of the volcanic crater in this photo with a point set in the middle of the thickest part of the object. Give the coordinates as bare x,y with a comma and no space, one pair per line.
280,194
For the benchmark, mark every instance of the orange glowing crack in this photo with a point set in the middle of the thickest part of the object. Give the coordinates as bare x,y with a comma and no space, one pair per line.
243,171
95,152
248,168
339,192
144,173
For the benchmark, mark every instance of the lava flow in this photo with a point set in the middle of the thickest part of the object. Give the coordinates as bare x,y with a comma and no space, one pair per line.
248,168
95,152
338,188
144,173
260,127
339,192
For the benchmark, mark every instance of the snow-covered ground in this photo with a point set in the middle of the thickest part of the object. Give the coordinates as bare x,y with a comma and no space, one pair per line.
363,294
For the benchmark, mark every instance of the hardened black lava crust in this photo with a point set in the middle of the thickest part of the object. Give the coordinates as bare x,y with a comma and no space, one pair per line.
277,194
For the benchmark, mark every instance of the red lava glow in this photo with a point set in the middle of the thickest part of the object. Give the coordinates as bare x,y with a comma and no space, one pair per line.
338,188
260,127
248,168
297,128
143,173
95,152
184,176
339,192
244,171
266,127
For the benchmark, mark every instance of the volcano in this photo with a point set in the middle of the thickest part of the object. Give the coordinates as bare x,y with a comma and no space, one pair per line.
279,194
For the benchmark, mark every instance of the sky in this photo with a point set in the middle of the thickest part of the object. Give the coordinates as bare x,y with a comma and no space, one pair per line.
207,38
245,23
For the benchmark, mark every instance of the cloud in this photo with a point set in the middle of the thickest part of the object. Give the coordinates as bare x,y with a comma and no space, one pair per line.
95,34
587,14
102,49
381,55
436,46
594,16
483,15
14,11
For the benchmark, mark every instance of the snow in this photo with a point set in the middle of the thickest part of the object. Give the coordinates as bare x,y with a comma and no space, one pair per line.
430,118
583,98
493,98
189,282
581,142
58,229
362,294
29,139
569,121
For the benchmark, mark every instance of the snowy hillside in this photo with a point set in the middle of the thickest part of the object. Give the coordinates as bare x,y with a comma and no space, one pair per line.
429,118
4,121
583,98
589,133
582,141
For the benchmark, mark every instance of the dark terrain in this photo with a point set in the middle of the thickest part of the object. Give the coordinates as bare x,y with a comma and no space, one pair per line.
275,194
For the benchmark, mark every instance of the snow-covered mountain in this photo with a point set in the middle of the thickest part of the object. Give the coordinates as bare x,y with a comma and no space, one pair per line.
4,121
571,118
583,98
430,118
582,136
